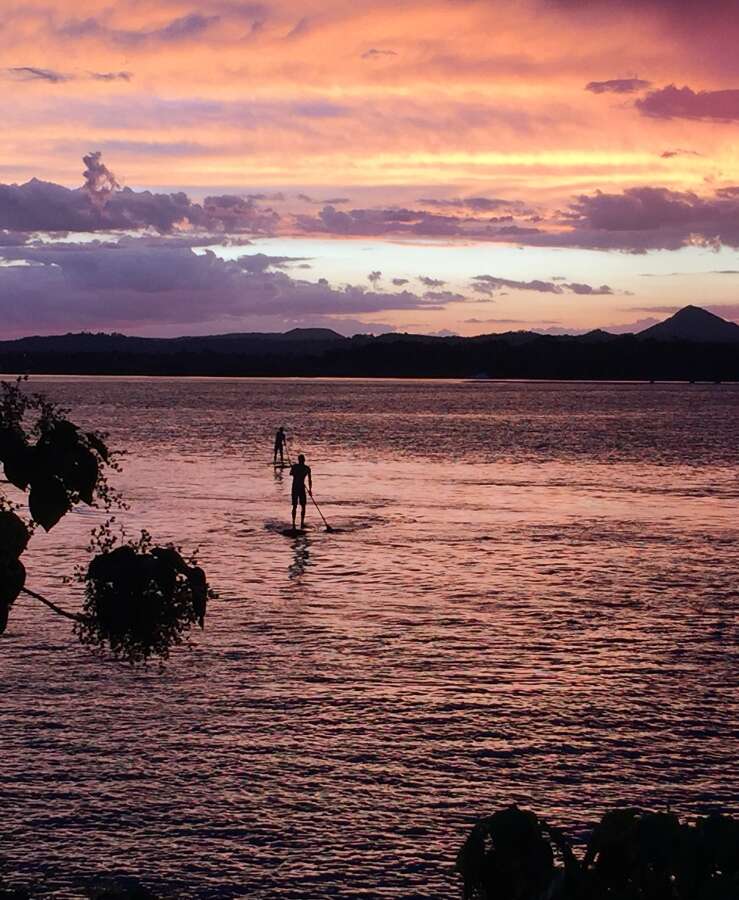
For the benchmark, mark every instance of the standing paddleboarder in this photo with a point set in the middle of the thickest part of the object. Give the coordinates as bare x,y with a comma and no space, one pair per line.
280,445
299,472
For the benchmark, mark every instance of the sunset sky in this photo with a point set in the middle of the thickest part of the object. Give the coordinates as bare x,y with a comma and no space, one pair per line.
435,167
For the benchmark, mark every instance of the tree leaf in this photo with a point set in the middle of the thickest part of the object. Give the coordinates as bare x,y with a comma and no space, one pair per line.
13,535
12,579
48,501
98,444
79,470
17,457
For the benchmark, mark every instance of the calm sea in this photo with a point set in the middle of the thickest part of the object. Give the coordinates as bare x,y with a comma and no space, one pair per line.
533,597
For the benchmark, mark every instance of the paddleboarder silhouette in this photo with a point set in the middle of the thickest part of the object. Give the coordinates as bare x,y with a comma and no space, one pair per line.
280,444
299,472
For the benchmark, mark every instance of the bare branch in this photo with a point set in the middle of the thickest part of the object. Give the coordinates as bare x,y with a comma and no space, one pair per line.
75,617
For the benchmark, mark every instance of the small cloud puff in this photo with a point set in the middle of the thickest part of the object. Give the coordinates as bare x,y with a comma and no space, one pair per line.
618,86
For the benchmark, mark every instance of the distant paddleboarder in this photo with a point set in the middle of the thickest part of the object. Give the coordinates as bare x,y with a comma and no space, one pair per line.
280,444
299,472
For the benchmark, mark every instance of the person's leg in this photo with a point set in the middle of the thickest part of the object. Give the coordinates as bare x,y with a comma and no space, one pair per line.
282,458
295,509
302,511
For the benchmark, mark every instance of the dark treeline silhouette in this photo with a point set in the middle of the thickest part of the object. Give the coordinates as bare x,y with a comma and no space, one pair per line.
631,855
516,355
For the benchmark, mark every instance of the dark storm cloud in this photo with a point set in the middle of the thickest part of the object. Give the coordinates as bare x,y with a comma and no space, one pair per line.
109,285
617,86
672,102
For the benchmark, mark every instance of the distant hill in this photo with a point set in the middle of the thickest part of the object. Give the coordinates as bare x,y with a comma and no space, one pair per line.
597,336
312,334
692,345
692,323
247,342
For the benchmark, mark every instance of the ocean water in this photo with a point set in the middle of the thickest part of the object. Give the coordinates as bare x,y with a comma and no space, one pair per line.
531,596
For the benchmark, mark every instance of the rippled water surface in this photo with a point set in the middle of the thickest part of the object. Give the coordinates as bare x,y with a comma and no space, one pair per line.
532,597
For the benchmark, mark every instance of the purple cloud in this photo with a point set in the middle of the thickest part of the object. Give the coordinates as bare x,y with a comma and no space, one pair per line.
443,297
111,76
578,288
618,86
478,204
672,102
671,154
657,218
32,73
393,220
101,206
329,201
374,53
489,284
51,76
134,284
181,29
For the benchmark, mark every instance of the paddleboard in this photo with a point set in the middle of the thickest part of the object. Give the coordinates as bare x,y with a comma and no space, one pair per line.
293,532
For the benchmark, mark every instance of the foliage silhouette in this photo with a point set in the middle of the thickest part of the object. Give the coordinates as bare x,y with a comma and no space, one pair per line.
632,855
140,600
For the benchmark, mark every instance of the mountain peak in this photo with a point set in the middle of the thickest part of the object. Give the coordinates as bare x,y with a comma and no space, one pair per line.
312,334
692,323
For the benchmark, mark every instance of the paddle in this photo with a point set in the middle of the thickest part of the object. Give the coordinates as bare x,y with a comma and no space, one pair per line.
310,494
328,527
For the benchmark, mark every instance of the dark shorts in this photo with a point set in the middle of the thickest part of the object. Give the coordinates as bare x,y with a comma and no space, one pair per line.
299,496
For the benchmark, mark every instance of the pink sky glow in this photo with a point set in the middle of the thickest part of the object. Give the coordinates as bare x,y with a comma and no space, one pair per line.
438,166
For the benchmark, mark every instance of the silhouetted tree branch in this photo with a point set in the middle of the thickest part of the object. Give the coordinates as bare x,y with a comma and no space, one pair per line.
75,617
140,600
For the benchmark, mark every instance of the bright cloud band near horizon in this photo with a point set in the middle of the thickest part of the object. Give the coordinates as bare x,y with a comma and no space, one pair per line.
438,167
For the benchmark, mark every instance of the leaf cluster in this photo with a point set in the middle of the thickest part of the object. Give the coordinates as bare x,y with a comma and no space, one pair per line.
44,453
14,536
141,600
632,855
